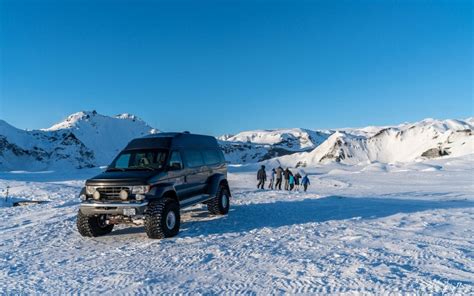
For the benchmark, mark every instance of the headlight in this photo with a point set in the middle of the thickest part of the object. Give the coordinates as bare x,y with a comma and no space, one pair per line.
96,195
143,189
90,190
123,195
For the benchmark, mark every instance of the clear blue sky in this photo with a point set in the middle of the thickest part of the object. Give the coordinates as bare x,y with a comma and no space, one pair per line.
225,66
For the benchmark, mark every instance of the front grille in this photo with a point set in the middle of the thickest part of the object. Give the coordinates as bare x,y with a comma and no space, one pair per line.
112,193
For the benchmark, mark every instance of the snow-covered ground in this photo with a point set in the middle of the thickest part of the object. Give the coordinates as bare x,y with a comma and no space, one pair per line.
378,229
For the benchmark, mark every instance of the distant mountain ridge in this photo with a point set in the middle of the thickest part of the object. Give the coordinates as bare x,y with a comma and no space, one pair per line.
426,139
260,145
88,139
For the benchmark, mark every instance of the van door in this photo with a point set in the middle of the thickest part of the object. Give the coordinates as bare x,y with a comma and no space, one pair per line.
195,171
177,172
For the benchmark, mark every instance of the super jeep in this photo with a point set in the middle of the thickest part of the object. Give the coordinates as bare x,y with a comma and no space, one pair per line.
151,180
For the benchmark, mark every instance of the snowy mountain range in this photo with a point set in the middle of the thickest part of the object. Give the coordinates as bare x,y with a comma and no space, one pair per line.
260,145
422,140
88,139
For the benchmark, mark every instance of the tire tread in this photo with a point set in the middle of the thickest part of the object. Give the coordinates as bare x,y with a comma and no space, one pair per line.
89,227
154,227
214,205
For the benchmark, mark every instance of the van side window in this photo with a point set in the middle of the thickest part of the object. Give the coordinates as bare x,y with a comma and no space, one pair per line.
211,157
175,160
193,158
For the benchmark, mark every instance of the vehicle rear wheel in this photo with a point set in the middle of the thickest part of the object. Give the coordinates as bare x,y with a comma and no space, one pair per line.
162,219
92,226
220,204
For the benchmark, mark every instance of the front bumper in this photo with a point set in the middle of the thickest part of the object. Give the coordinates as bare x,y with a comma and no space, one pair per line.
91,207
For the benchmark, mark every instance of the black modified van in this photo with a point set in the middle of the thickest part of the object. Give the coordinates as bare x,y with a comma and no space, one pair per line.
151,180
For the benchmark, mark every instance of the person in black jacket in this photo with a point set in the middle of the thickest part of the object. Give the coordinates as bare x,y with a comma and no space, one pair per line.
297,181
287,178
261,177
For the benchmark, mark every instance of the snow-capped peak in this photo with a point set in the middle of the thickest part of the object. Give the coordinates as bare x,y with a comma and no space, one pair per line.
105,135
77,119
84,138
72,120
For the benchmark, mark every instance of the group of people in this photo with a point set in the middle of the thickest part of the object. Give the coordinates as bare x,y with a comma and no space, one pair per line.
292,181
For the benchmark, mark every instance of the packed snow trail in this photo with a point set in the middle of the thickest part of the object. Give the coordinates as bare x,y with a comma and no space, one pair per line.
356,230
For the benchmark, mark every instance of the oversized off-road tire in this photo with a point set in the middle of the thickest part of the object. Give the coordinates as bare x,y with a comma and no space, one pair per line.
162,218
92,226
220,204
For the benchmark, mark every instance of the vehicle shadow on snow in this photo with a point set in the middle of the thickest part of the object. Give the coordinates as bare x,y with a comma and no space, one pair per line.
244,218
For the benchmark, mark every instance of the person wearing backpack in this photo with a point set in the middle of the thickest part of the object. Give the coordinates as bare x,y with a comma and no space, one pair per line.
305,182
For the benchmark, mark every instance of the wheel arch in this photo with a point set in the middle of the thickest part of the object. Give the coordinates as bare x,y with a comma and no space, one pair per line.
171,194
215,181
162,191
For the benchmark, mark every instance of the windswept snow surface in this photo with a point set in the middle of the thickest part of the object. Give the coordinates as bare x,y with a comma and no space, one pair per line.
378,229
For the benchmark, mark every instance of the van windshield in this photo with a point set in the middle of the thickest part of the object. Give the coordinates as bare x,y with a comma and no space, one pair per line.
146,159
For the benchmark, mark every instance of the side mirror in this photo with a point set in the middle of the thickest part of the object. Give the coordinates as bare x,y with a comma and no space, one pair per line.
175,166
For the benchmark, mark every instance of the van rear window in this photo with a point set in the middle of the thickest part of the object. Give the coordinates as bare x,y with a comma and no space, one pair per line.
193,158
211,157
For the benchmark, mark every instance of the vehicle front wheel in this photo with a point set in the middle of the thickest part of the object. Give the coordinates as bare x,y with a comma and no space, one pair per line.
92,226
220,204
162,219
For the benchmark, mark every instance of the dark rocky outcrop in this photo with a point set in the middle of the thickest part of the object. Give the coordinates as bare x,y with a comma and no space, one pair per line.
434,153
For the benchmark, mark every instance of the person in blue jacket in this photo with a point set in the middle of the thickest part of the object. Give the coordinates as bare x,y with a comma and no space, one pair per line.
305,182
